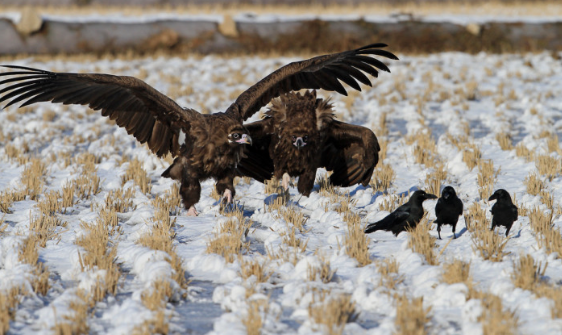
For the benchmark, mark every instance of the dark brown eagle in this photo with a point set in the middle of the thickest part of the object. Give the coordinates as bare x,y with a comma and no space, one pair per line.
204,146
299,135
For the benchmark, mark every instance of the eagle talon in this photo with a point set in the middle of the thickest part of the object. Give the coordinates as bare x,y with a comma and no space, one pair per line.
192,211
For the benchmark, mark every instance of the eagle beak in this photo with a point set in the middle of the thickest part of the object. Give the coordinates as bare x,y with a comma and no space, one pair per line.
299,143
246,139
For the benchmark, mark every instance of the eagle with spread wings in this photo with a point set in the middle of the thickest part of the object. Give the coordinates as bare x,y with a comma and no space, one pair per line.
204,146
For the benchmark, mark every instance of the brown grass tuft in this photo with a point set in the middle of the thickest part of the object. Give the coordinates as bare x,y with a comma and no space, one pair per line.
332,312
49,204
383,176
271,186
425,150
526,274
136,173
87,184
9,301
471,155
489,245
457,271
67,196
486,177
161,238
324,272
534,184
522,151
421,242
253,267
290,215
411,317
494,319
156,297
8,197
548,166
253,321
553,144
546,234
159,324
44,226
75,323
227,241
475,217
388,268
120,200
100,254
29,254
326,188
394,202
434,180
355,242
504,141
32,178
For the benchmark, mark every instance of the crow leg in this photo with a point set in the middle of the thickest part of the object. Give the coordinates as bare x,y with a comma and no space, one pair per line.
306,182
507,231
439,230
454,228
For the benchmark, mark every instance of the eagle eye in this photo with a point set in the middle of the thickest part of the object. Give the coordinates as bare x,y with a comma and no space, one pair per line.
305,138
294,138
235,135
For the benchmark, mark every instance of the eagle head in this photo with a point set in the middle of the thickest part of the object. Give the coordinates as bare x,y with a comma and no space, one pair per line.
300,118
238,135
299,141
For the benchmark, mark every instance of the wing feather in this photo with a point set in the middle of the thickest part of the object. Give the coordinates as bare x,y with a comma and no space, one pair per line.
351,152
131,102
314,73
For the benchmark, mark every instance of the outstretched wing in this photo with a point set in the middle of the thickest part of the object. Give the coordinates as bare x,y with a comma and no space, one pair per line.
315,73
257,162
351,152
148,115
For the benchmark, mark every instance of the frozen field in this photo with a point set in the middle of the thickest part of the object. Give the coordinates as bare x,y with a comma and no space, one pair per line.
81,219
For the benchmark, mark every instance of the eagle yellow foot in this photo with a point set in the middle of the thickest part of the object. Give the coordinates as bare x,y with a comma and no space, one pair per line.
192,211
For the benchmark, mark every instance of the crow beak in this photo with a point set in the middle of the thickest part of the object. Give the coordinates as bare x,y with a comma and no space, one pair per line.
446,196
430,196
246,139
493,197
299,143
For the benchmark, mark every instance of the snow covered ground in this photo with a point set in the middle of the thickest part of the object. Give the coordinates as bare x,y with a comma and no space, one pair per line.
448,95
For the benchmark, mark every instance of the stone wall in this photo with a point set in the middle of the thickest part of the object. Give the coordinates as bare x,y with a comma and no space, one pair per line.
176,36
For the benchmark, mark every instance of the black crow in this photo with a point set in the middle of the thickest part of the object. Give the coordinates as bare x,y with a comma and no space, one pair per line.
448,209
504,212
407,215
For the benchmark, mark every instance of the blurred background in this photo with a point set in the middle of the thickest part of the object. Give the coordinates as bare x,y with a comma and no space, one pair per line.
276,26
